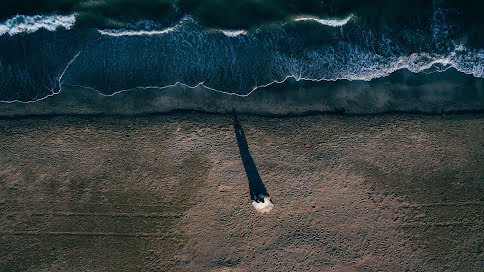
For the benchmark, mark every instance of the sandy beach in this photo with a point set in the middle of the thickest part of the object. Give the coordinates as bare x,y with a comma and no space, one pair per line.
391,192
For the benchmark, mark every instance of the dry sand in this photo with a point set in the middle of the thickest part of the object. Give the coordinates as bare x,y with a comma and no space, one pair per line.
388,192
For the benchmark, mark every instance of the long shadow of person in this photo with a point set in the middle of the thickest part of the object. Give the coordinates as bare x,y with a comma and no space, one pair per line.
258,192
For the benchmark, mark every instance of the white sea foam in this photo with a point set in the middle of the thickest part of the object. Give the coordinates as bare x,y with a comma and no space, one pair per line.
150,32
328,22
29,24
263,207
147,31
120,33
234,33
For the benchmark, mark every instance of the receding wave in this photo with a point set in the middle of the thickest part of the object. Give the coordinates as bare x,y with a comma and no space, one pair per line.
29,24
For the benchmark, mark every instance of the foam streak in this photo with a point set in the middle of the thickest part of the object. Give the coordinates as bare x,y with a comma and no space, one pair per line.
117,33
328,22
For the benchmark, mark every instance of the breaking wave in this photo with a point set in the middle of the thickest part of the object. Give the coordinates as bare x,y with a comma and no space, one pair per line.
120,33
29,24
234,33
144,28
327,22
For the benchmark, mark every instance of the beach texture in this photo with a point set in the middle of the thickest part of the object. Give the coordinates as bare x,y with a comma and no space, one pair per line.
392,192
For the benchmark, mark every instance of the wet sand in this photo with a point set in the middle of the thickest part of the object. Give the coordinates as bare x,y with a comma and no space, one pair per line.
390,192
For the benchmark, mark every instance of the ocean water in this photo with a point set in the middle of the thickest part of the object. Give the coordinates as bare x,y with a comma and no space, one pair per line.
427,52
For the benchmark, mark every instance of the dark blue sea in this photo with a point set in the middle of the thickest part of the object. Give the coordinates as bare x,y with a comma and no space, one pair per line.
254,56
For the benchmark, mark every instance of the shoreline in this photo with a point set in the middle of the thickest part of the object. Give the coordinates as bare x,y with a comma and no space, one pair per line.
338,112
402,91
249,114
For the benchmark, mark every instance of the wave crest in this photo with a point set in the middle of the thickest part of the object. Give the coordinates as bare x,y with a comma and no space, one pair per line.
29,24
327,22
234,33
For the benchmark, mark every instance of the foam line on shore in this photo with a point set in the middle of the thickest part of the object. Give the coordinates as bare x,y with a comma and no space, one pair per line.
52,91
